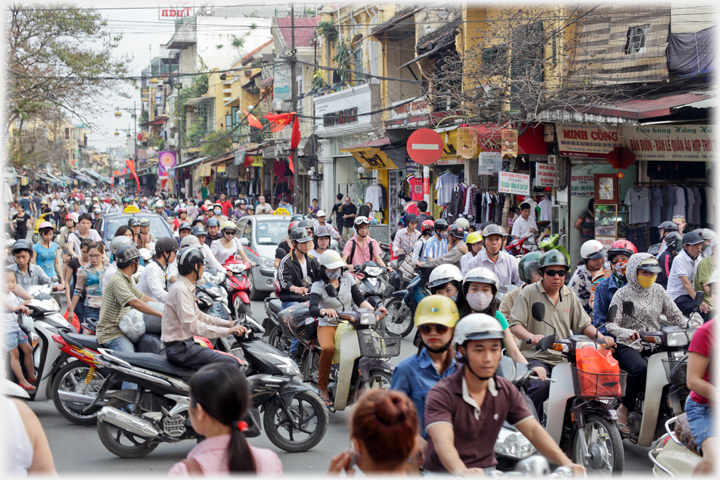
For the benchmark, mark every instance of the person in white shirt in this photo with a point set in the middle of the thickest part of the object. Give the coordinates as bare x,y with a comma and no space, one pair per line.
198,235
114,207
493,257
426,231
474,244
228,245
682,275
115,244
320,222
84,231
154,279
523,227
54,205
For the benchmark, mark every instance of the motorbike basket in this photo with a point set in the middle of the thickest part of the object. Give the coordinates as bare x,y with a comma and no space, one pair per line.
598,385
676,370
375,345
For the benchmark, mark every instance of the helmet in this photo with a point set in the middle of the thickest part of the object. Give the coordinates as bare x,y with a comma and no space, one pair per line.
43,201
427,225
300,235
529,264
166,244
61,203
22,245
183,226
76,216
361,221
493,229
621,247
321,213
189,259
411,217
118,242
213,222
124,200
182,210
473,238
228,225
296,217
45,225
669,226
673,240
133,222
457,231
126,253
159,204
144,222
97,210
708,234
331,259
463,223
204,208
293,225
441,225
306,224
250,207
70,216
242,201
437,309
650,264
477,326
217,204
552,258
323,231
142,200
198,230
691,238
190,241
592,250
444,274
481,275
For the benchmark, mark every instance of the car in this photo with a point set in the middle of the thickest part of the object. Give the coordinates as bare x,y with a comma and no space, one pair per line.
260,236
158,226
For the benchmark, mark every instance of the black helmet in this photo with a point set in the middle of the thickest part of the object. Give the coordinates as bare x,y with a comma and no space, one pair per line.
529,264
166,244
691,238
674,240
213,222
306,224
22,245
669,226
441,225
456,231
126,254
300,235
553,258
133,222
189,260
184,226
411,217
198,230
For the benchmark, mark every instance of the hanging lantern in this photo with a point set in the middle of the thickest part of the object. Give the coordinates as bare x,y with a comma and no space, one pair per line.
248,161
621,157
466,142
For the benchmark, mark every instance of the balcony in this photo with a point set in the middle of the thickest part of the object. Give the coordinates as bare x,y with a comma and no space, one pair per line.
185,34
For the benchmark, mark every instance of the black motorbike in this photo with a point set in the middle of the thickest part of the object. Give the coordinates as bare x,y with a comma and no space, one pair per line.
374,282
273,328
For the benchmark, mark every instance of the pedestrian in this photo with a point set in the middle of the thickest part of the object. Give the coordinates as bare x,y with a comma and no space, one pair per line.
348,212
262,207
47,252
336,213
21,223
586,222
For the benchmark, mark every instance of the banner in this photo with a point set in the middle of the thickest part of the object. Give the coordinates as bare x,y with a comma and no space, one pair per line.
585,140
514,183
239,157
672,142
489,163
582,185
131,167
544,174
167,161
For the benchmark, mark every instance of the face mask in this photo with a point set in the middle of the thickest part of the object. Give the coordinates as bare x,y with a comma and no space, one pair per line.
620,268
444,235
454,298
479,301
646,282
334,274
217,211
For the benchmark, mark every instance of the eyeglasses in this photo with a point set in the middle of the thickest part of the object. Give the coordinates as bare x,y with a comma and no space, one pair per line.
228,232
429,327
556,273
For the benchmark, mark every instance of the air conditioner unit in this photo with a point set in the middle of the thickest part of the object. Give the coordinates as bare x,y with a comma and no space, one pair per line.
552,159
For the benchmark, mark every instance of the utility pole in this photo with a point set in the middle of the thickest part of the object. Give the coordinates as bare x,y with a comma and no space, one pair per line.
294,93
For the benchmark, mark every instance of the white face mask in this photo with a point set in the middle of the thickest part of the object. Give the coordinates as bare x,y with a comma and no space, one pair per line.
479,301
217,211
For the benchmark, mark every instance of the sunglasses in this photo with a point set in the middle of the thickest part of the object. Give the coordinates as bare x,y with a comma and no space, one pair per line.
429,327
228,232
556,273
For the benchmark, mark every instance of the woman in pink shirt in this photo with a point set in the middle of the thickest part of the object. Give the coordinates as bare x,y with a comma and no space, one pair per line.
219,398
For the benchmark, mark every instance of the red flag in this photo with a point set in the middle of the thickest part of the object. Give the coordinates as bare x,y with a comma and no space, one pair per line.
295,137
131,166
291,164
280,121
252,120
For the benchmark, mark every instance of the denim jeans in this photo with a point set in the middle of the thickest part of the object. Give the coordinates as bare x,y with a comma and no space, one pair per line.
295,342
91,317
122,344
700,419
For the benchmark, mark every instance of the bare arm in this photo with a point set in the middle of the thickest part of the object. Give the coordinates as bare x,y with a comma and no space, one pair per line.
42,462
542,440
591,331
688,286
696,367
443,437
58,264
578,223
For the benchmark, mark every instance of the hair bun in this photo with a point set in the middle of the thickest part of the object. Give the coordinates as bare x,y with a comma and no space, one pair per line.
391,409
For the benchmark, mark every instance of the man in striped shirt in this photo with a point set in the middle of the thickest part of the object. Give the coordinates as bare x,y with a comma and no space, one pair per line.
437,245
406,237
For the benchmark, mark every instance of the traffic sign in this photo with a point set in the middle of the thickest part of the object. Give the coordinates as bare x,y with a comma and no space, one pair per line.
425,146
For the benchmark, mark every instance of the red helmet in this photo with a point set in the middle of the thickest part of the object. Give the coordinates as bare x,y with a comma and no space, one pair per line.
621,247
204,208
427,225
292,226
69,216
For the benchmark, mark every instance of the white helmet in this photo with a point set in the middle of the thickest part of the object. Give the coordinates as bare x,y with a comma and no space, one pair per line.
361,220
708,234
477,326
463,223
190,241
481,275
331,259
159,203
592,250
118,242
321,213
444,274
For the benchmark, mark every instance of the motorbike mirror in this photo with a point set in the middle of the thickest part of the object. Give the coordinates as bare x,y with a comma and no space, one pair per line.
629,308
388,291
538,311
699,298
331,290
612,312
546,342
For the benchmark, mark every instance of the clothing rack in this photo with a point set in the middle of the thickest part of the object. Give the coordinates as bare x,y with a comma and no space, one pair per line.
702,183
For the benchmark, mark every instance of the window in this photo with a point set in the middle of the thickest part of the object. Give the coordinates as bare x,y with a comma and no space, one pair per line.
636,37
495,59
358,62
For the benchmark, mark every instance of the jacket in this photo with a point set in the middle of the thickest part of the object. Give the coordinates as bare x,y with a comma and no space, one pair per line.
603,296
290,274
452,257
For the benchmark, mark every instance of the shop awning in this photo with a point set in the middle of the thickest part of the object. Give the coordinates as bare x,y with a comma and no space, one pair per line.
380,142
370,156
154,123
395,21
192,162
644,108
194,101
223,160
231,103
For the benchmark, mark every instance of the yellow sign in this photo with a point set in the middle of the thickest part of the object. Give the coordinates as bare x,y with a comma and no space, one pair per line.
257,161
372,158
449,145
281,211
221,168
131,209
205,171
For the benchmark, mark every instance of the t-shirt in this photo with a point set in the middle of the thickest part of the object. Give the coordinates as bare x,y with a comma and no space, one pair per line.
704,270
679,207
21,228
416,188
75,238
545,210
25,202
335,210
683,266
638,199
521,228
118,292
657,204
703,342
587,227
444,186
348,210
46,258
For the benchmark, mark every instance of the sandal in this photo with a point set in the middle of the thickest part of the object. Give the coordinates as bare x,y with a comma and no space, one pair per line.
624,429
29,389
328,403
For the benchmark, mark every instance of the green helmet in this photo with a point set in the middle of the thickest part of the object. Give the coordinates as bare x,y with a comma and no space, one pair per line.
529,263
553,257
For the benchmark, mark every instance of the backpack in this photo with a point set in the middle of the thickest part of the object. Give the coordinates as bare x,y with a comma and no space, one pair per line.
364,211
352,251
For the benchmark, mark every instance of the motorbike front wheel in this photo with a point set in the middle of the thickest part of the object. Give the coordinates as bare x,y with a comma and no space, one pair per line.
399,319
276,339
310,416
71,378
120,442
604,453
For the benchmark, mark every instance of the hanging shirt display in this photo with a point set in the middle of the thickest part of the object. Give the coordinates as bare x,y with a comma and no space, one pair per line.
545,209
710,203
374,196
656,201
416,187
444,186
638,199
679,208
689,205
668,203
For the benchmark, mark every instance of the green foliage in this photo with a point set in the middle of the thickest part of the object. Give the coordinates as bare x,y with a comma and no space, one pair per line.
238,42
317,80
328,30
343,57
219,46
254,14
216,144
253,26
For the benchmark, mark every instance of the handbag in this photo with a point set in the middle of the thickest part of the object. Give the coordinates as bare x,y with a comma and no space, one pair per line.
598,374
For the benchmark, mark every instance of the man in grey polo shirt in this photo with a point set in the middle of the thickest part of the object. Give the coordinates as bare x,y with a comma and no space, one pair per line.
493,257
682,275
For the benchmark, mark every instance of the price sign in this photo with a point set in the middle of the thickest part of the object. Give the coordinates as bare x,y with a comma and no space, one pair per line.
514,183
544,174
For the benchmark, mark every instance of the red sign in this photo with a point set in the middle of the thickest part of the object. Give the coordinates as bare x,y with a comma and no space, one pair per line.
425,146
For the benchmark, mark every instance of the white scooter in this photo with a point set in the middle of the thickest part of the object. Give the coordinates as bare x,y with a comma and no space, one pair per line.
670,456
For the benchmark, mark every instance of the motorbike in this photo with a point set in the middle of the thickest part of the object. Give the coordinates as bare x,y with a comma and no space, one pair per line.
374,283
134,422
519,247
43,217
578,414
238,286
672,455
402,304
533,466
273,327
362,348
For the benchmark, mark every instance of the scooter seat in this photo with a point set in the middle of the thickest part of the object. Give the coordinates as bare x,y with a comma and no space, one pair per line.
275,305
87,341
154,362
684,434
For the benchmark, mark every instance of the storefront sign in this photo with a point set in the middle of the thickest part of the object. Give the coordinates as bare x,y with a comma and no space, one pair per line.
239,157
372,158
514,183
205,170
282,78
349,111
449,151
582,185
672,142
585,140
418,106
544,174
174,10
257,161
489,163
221,169
606,241
509,143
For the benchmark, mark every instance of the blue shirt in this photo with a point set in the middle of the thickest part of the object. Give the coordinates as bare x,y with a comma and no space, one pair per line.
435,248
415,376
46,258
603,296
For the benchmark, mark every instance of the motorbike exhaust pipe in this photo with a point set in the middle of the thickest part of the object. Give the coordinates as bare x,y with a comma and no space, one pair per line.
135,425
78,398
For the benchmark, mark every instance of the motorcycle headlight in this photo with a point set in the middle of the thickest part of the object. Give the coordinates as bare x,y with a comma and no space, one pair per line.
373,281
374,271
368,319
287,366
53,304
267,262
513,444
677,339
237,268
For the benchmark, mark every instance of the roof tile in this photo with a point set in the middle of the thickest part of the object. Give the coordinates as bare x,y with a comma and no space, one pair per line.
304,29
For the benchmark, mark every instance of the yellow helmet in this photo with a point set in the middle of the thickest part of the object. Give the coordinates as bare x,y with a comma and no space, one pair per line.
474,237
228,225
437,309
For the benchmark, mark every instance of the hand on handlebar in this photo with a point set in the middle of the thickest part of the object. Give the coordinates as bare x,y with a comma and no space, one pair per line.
578,470
535,339
704,308
328,312
301,291
611,341
238,330
383,310
634,336
540,372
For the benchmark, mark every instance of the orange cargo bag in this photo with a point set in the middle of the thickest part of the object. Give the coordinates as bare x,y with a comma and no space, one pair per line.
598,373
75,321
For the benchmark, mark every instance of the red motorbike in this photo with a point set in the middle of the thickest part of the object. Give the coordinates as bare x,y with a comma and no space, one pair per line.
237,286
518,248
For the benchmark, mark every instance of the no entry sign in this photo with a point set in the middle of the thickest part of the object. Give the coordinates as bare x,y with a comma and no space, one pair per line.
425,146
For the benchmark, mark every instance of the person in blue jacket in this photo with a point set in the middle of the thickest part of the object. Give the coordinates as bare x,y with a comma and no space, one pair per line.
618,256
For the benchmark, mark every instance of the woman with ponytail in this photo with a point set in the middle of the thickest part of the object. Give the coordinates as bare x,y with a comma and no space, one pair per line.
219,399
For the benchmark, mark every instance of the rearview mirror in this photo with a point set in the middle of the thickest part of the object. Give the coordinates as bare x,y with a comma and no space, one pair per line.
546,342
330,290
244,242
538,311
699,298
611,314
629,308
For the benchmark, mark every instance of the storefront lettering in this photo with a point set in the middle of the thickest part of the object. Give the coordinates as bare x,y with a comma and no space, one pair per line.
449,149
375,161
176,12
672,145
599,135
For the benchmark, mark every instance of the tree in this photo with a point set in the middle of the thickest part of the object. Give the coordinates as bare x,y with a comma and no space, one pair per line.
58,56
38,144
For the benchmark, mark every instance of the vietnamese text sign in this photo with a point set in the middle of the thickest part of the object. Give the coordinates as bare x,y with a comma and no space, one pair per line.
489,163
582,185
544,174
585,140
672,142
514,183
174,10
282,80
